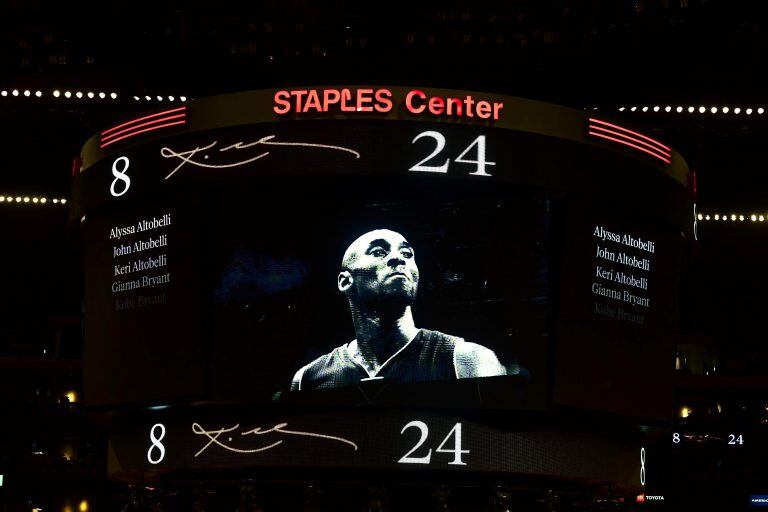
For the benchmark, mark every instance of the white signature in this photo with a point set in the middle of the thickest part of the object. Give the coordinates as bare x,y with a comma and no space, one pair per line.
215,434
187,157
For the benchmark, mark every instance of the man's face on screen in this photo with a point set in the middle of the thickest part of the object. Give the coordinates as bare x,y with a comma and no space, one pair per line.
382,266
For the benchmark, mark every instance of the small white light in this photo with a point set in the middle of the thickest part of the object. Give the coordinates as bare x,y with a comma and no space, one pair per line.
67,94
43,200
667,109
2,199
113,95
717,216
621,109
18,199
55,201
760,110
159,98
656,108
91,95
183,98
102,95
170,98
761,218
733,216
691,109
702,109
701,217
63,201
749,111
737,110
147,98
753,217
4,93
679,109
713,110
56,93
645,109
706,217
79,94
34,199
27,93
630,108
38,93
136,98
725,110
15,92
26,199
741,217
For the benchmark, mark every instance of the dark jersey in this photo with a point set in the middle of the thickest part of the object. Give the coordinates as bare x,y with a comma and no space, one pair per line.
430,355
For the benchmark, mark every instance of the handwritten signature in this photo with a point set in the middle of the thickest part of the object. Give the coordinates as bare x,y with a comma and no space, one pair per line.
188,157
215,434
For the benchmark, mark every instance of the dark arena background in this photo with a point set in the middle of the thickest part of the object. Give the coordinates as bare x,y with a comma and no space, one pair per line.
444,256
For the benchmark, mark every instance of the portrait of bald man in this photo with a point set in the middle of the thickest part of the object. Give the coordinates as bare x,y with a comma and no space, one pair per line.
380,281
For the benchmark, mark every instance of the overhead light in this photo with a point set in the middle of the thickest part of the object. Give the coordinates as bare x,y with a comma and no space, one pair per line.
621,109
741,218
700,217
38,93
760,110
4,93
63,201
67,94
706,217
656,108
34,199
183,98
725,110
26,199
170,98
43,200
733,217
679,109
753,217
749,111
27,93
691,109
761,218
717,216
713,110
15,92
630,108
702,109
159,98
113,95
55,201
2,199
102,95
136,98
91,95
645,109
737,110
667,109
56,93
147,98
79,94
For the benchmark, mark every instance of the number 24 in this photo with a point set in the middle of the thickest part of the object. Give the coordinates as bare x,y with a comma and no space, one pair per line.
424,429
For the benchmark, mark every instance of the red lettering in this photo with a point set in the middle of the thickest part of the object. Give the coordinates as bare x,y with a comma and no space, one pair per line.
282,103
409,101
298,95
383,99
468,101
364,97
496,108
346,99
483,109
436,105
454,103
313,102
330,97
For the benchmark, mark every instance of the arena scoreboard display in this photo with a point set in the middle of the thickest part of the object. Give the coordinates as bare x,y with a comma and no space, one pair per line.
312,257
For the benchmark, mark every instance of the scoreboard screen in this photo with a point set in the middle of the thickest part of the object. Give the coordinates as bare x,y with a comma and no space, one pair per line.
389,246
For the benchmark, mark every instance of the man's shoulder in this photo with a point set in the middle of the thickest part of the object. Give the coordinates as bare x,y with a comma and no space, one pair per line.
330,361
427,335
475,360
